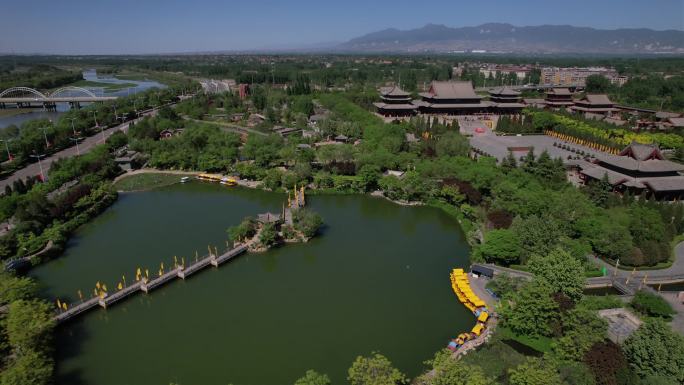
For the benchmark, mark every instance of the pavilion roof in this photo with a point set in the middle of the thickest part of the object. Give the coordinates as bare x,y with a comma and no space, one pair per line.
451,90
640,151
597,99
504,91
393,91
559,91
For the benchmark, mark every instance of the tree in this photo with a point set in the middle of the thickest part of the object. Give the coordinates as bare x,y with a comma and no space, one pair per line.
560,271
15,288
28,368
245,230
312,377
29,325
369,174
597,84
452,144
582,328
269,235
652,305
530,311
500,246
534,371
307,221
654,349
448,371
374,370
605,359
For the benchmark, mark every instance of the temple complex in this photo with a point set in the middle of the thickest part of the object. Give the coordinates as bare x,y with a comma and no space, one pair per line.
594,104
639,168
395,102
506,100
558,98
452,98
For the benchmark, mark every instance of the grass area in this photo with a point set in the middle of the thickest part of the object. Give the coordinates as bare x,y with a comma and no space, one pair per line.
106,86
540,344
141,182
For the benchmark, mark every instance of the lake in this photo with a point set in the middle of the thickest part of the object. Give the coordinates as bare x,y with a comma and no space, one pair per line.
375,279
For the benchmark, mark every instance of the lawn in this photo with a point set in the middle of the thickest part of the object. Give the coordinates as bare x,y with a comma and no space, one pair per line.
142,182
540,344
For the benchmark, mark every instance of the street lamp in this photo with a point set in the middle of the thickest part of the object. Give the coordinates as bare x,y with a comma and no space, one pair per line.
95,116
9,155
40,165
44,129
72,125
78,150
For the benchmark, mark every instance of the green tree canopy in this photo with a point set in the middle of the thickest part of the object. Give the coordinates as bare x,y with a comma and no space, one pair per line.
374,370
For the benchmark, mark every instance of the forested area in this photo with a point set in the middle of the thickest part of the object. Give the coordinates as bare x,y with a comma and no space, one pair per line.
38,76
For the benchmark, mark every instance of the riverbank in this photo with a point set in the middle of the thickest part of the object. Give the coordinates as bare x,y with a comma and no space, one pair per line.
148,179
107,87
7,112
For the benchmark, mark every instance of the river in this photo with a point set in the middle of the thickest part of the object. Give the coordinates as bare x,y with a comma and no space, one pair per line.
91,75
376,279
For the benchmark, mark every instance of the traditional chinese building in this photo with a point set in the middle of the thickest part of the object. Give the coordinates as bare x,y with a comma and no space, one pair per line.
594,104
558,98
452,98
506,100
395,102
639,168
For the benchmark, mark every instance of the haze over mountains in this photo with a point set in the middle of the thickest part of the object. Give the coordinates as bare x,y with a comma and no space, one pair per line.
499,37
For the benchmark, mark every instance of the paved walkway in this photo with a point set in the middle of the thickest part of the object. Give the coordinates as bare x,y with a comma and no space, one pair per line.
674,272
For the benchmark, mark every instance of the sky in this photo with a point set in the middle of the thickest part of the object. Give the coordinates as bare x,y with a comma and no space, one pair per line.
170,26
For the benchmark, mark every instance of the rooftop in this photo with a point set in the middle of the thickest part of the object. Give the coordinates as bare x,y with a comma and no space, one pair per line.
451,90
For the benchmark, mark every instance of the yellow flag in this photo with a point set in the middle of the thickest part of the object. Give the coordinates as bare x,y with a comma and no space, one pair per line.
104,287
160,272
80,295
137,272
147,274
120,286
95,292
102,295
59,304
97,285
64,306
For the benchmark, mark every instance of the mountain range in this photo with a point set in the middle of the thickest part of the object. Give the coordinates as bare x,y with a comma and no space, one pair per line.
501,37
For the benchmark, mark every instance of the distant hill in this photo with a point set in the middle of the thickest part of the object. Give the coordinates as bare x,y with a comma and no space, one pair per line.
497,37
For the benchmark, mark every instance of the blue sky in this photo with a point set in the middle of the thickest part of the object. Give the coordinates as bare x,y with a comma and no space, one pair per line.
161,26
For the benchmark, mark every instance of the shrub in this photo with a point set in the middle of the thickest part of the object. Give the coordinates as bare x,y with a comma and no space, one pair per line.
652,305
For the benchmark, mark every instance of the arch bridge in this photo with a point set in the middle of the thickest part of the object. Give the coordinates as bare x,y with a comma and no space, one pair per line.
25,97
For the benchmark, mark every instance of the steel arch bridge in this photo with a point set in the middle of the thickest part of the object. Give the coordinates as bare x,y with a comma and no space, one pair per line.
69,94
21,91
71,90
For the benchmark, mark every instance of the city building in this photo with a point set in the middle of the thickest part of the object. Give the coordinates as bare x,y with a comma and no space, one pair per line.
490,70
558,98
577,77
639,168
506,100
452,98
395,102
598,104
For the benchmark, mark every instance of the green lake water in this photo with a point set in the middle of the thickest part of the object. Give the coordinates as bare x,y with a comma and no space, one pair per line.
376,279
